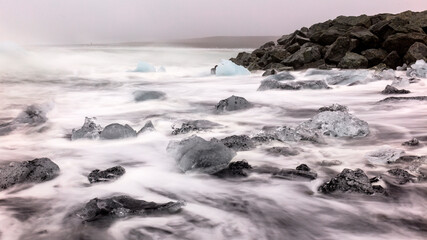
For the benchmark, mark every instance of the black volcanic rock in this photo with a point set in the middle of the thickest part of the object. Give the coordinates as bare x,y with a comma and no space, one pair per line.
107,175
392,39
233,103
392,90
234,169
398,99
348,181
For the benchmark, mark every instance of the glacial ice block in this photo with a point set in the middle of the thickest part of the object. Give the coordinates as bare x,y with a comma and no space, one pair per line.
228,68
145,67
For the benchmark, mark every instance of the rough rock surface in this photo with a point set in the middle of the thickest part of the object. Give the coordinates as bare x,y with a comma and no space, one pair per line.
34,171
269,84
235,169
142,95
89,130
392,90
402,176
195,153
412,142
194,125
349,42
117,131
107,175
398,99
233,103
238,142
334,108
124,206
283,151
348,181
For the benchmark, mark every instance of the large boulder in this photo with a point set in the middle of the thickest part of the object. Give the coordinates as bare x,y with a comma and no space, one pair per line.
117,131
89,130
34,171
416,52
353,61
374,56
401,42
142,95
348,181
337,124
337,50
393,60
326,37
107,175
269,84
350,21
308,53
197,154
99,209
233,103
366,38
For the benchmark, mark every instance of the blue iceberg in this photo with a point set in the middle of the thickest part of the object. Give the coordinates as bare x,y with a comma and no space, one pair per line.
145,67
228,68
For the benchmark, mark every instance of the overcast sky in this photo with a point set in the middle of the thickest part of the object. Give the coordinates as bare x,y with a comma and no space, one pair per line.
107,21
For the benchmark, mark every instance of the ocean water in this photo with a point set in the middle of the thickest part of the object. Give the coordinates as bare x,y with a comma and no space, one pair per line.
98,81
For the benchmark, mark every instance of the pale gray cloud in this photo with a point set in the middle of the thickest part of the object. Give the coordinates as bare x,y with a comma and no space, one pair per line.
82,21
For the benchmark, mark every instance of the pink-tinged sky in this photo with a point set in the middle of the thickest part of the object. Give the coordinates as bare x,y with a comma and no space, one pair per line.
106,21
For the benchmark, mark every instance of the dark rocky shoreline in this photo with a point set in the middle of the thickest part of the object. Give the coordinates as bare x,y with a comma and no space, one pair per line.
381,41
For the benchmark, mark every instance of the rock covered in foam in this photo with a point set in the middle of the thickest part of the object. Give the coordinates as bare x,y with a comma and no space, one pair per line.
107,175
195,153
117,131
34,171
89,130
233,103
229,68
412,142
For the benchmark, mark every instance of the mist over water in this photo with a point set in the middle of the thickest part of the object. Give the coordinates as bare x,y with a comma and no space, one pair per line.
94,81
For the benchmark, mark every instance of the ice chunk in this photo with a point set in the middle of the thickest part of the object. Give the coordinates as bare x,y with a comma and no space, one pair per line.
418,69
228,68
89,130
145,67
347,77
161,69
384,155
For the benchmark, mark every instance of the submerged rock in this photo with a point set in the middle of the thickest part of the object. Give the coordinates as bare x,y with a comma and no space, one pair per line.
235,169
281,76
195,153
283,151
89,130
117,131
348,181
233,103
334,108
269,72
337,124
301,172
34,171
392,90
402,176
124,206
398,99
384,155
238,142
269,84
148,127
143,95
107,175
33,115
412,142
194,125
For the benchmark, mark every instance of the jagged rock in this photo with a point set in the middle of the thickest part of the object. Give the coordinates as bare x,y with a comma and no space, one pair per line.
337,124
107,175
398,99
334,108
33,115
366,38
384,155
416,52
277,55
393,60
268,45
195,153
412,142
34,171
117,131
303,167
235,169
142,95
293,48
89,130
233,103
282,76
283,151
353,61
195,125
337,50
401,42
307,54
392,90
238,142
299,133
374,56
327,37
348,181
362,20
269,72
123,206
269,84
148,127
402,176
